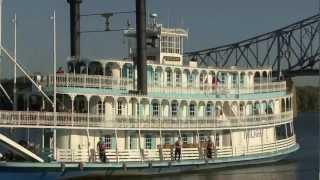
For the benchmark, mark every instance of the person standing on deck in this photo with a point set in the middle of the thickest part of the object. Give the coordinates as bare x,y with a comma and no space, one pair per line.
102,150
178,147
210,148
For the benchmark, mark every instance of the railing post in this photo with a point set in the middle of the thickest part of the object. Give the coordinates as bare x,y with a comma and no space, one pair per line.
38,118
67,79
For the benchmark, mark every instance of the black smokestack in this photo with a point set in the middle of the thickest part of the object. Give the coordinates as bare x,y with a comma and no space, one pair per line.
75,28
141,46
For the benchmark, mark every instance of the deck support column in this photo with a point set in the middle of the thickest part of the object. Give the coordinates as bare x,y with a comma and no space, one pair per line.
72,109
116,136
55,144
262,144
88,110
88,143
140,149
247,141
199,145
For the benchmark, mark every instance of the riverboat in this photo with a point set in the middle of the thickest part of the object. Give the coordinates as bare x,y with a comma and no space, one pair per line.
245,113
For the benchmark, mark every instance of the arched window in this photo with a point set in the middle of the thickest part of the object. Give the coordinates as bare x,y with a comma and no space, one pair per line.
155,109
178,79
209,110
192,110
169,78
101,108
174,109
120,108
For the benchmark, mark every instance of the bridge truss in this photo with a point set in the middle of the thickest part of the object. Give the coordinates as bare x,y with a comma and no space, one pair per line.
293,50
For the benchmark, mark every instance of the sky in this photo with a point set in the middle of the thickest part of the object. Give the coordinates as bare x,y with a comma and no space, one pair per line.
210,23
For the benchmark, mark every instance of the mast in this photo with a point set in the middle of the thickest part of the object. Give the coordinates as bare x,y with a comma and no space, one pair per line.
15,66
141,46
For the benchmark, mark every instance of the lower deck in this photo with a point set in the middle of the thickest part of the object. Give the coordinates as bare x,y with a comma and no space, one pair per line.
66,170
76,145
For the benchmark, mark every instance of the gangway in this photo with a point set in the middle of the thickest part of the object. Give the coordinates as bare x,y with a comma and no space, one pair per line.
20,150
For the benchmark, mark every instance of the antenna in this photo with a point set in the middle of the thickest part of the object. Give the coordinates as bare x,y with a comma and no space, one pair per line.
168,18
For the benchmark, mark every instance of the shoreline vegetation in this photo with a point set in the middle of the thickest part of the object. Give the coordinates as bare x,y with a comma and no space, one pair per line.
307,97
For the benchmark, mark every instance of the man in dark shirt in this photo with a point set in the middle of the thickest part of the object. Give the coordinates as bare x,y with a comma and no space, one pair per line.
102,150
178,147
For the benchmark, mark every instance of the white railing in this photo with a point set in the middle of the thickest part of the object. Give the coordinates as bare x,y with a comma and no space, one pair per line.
90,81
113,155
220,89
109,82
64,119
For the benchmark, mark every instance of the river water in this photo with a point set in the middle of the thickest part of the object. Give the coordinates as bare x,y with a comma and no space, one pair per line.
301,165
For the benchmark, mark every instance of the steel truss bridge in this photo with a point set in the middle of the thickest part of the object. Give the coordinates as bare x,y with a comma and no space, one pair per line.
293,50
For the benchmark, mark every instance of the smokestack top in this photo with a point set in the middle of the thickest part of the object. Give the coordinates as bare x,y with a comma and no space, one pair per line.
75,28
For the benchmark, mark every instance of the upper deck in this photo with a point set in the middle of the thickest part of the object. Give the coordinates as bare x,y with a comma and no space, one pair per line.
119,76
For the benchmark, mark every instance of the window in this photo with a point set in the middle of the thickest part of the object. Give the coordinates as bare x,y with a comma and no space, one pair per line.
289,129
202,138
217,139
209,110
178,79
156,77
151,58
167,139
253,133
107,141
223,79
234,80
120,106
169,78
184,139
101,109
281,132
130,73
191,110
242,79
174,109
190,79
148,143
171,44
133,142
155,109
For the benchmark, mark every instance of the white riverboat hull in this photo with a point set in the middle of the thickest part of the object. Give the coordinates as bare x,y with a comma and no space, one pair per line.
71,170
